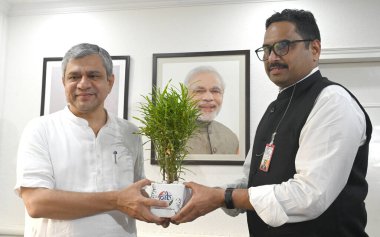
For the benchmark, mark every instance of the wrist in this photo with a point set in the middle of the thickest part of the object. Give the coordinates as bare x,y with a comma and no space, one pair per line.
220,196
114,200
228,201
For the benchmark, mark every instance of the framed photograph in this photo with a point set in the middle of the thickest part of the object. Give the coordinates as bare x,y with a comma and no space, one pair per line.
53,94
225,139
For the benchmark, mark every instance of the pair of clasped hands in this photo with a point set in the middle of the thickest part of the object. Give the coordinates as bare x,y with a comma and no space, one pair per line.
136,203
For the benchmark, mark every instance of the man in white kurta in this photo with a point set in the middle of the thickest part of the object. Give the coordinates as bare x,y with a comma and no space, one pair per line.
80,170
60,151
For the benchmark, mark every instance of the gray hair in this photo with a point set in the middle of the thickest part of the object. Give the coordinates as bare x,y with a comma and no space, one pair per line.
204,69
85,49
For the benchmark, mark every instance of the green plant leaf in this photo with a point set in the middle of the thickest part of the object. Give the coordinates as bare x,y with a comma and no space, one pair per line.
169,118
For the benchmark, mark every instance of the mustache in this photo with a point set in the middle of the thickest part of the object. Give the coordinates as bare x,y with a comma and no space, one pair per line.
278,65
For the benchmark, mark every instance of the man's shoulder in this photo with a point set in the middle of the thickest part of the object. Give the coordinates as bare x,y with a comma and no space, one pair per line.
42,126
46,119
221,128
219,125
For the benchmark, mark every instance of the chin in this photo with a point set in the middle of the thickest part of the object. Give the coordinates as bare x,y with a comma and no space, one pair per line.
208,117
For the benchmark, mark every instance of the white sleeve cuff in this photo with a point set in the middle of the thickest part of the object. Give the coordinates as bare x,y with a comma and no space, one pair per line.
267,207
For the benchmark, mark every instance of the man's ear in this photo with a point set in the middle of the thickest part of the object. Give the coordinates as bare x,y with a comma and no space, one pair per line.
110,81
316,49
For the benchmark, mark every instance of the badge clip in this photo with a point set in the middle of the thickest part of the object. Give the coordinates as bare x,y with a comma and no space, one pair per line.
267,156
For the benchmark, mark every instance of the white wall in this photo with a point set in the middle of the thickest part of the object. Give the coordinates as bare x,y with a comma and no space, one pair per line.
140,33
3,30
9,206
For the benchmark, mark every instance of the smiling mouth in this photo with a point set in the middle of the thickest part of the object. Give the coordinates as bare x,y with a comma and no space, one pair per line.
85,95
207,108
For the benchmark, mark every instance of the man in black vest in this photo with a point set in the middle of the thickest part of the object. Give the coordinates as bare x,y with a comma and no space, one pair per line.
305,174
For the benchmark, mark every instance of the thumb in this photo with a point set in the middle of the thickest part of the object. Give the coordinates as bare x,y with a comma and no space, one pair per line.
190,185
143,182
155,202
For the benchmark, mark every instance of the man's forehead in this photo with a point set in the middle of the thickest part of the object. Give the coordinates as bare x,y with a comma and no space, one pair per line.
78,70
278,31
85,65
204,78
204,87
83,68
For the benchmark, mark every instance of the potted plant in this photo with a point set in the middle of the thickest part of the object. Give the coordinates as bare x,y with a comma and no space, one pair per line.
169,119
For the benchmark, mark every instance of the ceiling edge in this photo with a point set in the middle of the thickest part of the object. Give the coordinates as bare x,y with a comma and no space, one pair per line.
71,6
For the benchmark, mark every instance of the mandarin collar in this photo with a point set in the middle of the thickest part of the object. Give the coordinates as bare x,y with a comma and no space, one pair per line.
81,121
287,92
203,125
308,75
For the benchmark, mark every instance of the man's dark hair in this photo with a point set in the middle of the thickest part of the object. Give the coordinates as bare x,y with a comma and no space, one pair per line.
304,21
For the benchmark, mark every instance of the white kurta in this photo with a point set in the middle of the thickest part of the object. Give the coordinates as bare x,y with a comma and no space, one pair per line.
60,151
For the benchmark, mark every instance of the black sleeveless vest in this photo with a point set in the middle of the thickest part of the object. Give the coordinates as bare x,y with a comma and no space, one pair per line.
346,217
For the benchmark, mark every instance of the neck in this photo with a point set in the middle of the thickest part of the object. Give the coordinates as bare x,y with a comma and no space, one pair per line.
96,119
98,122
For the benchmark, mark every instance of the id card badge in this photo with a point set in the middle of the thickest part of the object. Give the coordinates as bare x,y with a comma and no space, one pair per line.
267,157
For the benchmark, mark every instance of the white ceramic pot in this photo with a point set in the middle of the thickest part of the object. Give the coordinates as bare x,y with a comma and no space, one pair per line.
175,194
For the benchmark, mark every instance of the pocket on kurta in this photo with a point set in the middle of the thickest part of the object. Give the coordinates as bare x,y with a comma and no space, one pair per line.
124,169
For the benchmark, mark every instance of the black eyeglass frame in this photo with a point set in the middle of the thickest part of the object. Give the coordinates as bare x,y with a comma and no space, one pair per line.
272,48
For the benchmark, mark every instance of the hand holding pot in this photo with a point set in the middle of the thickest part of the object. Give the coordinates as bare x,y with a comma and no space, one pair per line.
204,200
132,201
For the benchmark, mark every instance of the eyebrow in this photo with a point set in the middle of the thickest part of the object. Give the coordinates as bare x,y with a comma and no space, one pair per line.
217,87
278,41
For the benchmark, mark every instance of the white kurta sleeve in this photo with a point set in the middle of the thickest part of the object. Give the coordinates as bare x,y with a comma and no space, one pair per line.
34,167
328,142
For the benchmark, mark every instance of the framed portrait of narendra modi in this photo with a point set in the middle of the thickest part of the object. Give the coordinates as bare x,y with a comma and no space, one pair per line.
219,81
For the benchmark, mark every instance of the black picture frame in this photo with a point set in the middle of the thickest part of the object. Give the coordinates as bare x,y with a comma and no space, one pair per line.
232,65
116,102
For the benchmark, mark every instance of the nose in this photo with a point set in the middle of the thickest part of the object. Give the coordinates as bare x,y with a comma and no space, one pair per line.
207,96
84,82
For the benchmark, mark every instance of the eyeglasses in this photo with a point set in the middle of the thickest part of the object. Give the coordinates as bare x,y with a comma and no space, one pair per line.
280,48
